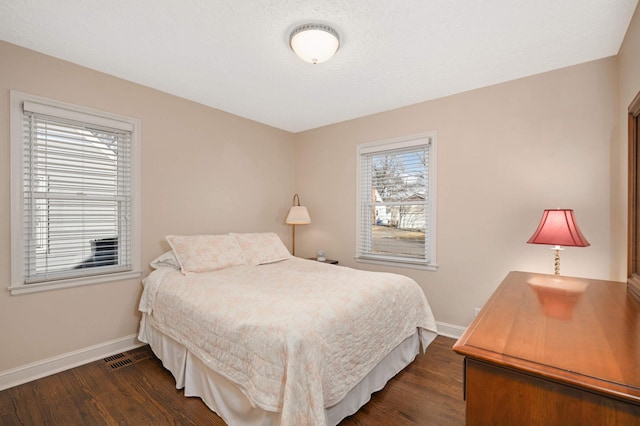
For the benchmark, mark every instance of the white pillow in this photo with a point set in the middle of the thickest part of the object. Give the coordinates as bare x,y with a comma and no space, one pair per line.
165,260
261,248
204,253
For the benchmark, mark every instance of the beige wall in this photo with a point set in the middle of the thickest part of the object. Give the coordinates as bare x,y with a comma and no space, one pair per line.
203,171
504,153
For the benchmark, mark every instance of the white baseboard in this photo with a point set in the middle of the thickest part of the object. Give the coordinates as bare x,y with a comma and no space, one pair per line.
47,367
450,330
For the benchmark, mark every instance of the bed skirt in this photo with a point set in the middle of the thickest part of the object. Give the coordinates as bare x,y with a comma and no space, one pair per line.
226,398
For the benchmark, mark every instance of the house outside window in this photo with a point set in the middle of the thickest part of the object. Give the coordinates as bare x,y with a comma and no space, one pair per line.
74,195
396,202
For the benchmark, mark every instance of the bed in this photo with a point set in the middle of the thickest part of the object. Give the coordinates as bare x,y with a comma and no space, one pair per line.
264,338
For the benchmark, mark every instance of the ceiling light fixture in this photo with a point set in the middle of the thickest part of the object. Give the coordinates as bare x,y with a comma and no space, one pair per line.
314,43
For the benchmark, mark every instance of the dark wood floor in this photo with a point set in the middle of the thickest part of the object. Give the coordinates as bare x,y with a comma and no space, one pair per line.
142,392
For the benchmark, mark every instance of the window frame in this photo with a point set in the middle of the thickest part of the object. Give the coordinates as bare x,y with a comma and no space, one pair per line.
79,113
430,139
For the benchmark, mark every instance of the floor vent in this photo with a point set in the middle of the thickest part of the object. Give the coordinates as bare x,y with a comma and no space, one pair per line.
113,357
123,359
120,363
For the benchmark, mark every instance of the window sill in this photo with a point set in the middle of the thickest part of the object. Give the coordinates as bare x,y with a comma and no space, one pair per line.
398,264
77,282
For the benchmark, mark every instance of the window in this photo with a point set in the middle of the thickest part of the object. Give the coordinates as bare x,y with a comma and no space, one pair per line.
74,216
396,202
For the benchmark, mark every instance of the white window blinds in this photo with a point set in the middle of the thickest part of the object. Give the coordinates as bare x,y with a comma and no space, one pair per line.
394,202
77,194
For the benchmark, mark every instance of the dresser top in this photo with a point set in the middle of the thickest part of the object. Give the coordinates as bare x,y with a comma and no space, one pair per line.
572,330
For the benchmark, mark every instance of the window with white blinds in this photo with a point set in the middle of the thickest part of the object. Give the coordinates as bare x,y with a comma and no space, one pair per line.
76,197
396,202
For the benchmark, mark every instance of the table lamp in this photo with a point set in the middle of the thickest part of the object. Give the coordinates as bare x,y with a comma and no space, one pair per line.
558,228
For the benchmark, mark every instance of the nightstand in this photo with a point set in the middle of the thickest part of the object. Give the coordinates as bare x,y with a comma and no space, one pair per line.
329,261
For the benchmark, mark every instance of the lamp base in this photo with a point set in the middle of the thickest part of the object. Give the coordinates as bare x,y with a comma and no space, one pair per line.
293,240
556,263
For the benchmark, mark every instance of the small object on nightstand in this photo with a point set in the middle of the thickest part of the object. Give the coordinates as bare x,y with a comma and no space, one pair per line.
321,257
329,261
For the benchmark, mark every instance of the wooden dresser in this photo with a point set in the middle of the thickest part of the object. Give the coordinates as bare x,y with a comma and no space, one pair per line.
554,351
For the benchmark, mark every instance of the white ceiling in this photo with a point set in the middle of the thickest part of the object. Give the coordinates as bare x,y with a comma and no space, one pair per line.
234,54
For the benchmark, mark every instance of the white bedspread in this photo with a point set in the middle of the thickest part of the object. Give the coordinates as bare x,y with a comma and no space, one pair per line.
296,335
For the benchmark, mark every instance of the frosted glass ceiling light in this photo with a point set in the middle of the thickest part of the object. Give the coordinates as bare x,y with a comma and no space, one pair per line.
314,43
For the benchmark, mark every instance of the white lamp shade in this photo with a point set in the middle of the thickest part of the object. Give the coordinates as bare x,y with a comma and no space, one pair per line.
298,215
314,43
